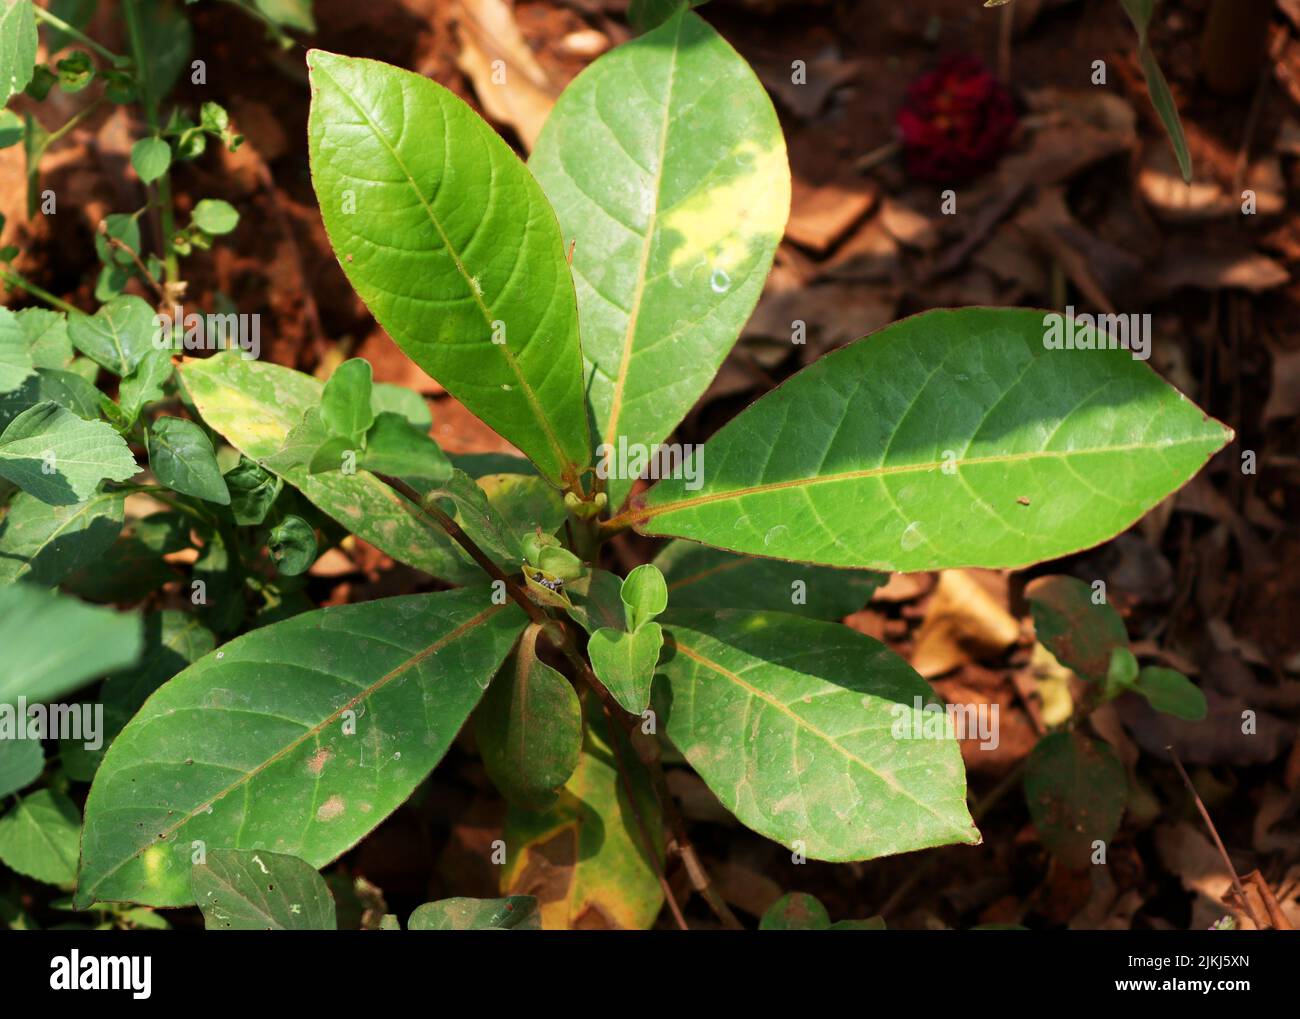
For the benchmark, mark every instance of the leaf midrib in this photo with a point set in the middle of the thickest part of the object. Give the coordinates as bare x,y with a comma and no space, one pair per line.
802,723
524,385
629,336
310,733
648,512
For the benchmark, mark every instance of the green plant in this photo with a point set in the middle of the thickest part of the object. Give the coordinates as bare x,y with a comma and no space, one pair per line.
580,306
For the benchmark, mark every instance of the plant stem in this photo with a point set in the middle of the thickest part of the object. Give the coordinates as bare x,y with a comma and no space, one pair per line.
54,21
563,640
72,122
1218,842
149,101
17,279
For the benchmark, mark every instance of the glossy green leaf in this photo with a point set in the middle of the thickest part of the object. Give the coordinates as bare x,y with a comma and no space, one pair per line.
584,858
182,458
645,594
399,449
529,728
213,216
345,402
47,337
667,168
807,732
43,544
118,336
52,644
625,662
1076,624
517,912
151,157
21,760
292,544
16,363
38,837
51,453
69,391
1173,693
386,398
17,47
1076,789
254,890
144,385
299,737
951,438
700,577
453,247
255,406
172,640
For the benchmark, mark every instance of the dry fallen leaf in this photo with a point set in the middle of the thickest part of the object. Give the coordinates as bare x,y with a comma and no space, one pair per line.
512,86
963,623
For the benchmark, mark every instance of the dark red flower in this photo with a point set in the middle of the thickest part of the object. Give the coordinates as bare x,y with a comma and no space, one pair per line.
956,121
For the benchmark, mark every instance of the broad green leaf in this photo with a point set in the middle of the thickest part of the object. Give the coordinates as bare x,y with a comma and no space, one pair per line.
386,398
213,216
666,165
625,663
42,544
1139,12
254,890
256,406
345,402
1080,631
399,449
949,439
151,157
172,640
299,737
1076,789
118,336
16,363
292,544
797,911
17,47
182,458
529,728
69,391
1173,693
39,836
52,644
645,593
517,912
806,731
700,577
453,247
144,385
21,760
51,453
47,337
584,858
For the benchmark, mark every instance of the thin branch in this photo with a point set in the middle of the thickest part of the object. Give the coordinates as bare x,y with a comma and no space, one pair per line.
117,244
1218,842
